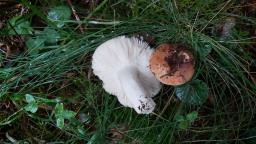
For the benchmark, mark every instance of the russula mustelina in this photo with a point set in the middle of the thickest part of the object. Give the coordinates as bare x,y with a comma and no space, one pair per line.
172,64
122,63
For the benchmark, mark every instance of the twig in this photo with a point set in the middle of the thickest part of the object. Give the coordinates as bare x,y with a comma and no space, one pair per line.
159,116
46,107
215,15
76,16
167,104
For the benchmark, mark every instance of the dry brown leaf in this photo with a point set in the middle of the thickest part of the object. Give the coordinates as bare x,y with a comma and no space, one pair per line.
117,134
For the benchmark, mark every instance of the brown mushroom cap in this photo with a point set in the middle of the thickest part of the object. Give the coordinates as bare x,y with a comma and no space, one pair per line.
172,64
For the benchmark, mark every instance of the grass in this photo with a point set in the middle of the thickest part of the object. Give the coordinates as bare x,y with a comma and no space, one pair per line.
61,74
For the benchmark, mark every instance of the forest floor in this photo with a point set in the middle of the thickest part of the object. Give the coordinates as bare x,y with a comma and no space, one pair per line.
50,95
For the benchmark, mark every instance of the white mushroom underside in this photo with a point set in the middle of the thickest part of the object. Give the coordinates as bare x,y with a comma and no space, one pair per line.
122,64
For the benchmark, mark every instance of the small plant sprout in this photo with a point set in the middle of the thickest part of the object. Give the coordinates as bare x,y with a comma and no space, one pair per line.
185,121
122,64
172,64
32,106
61,114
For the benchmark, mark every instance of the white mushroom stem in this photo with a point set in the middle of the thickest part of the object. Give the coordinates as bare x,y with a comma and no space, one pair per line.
122,64
134,90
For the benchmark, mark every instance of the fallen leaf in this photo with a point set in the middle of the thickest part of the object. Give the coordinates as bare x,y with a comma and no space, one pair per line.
117,134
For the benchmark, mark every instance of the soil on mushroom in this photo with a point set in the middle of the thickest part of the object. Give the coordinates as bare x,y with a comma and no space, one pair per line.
177,57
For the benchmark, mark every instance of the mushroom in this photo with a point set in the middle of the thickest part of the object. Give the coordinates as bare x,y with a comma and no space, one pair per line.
172,64
122,63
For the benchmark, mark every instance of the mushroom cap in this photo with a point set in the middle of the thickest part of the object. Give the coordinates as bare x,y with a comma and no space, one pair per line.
172,64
